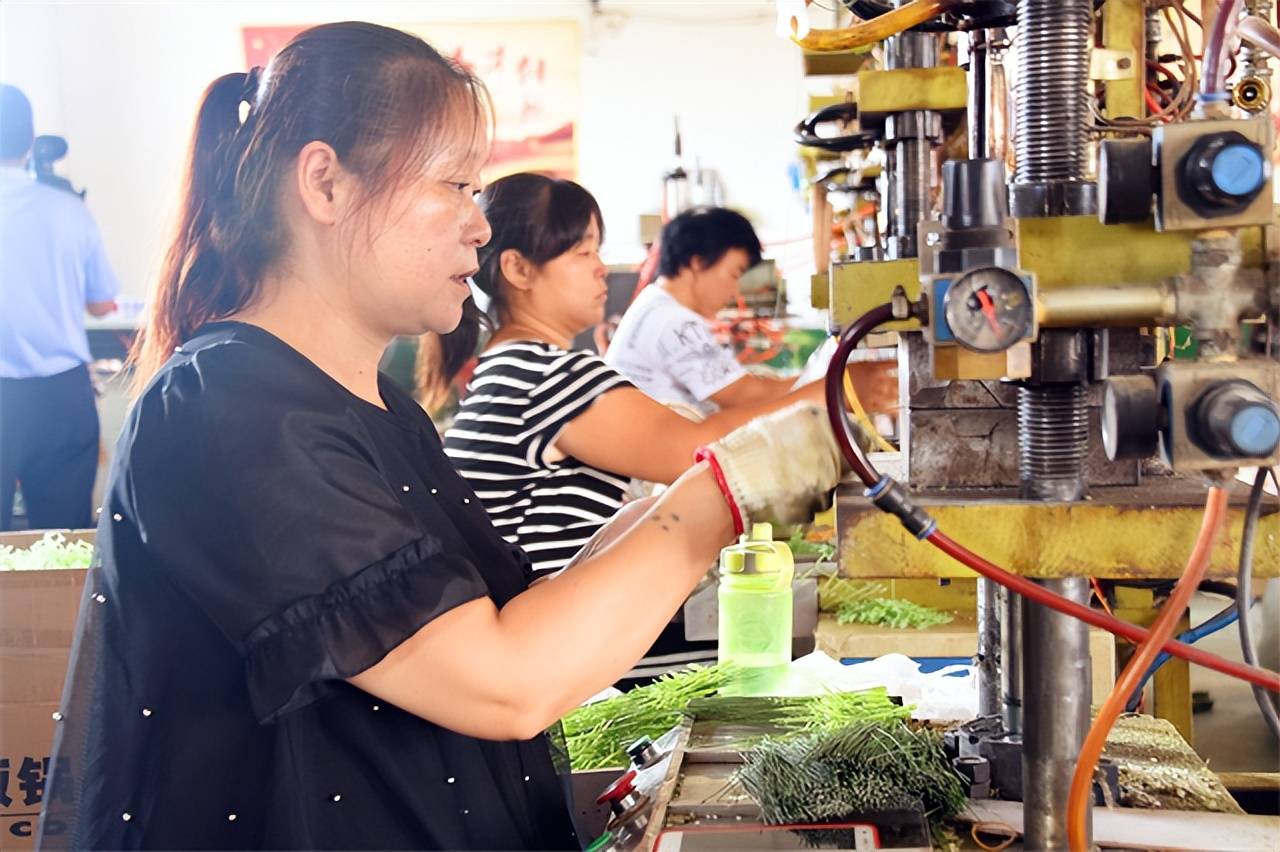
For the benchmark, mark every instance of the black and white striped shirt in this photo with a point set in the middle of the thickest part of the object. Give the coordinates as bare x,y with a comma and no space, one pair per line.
521,397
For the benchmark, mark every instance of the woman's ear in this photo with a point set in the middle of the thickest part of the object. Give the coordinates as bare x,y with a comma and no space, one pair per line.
516,269
320,182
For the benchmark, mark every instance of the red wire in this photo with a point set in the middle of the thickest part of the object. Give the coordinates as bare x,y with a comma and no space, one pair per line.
1151,101
1038,594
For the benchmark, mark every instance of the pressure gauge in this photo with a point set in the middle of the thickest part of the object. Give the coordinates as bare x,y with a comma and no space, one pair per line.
989,310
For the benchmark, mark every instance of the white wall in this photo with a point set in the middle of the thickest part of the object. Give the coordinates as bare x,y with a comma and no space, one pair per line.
121,82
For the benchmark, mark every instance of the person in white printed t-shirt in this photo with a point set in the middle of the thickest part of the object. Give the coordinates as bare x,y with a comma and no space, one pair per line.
664,344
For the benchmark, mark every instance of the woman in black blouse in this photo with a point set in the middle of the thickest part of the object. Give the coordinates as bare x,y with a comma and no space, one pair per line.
301,629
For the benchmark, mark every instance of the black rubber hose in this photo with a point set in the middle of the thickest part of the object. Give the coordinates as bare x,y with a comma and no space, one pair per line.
806,130
1244,579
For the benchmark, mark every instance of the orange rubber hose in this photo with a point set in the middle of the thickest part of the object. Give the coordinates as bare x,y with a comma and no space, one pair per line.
1079,800
866,33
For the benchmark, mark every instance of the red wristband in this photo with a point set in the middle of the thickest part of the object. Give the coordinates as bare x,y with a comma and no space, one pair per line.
705,454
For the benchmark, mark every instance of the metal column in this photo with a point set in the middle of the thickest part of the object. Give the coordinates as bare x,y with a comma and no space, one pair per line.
1051,140
1056,715
1053,437
1010,609
990,694
909,139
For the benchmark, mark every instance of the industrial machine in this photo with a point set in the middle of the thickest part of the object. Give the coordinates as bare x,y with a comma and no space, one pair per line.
1114,202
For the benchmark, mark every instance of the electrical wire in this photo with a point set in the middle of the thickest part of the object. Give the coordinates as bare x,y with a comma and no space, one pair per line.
860,415
1244,579
1182,102
1150,99
1008,834
1100,595
866,472
1079,800
1220,621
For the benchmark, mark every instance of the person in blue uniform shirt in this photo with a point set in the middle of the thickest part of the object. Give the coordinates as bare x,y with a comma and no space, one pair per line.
52,270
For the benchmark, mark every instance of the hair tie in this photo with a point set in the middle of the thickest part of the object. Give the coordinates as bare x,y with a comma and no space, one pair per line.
252,78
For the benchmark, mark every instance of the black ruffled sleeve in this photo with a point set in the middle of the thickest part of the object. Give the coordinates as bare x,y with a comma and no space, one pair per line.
273,510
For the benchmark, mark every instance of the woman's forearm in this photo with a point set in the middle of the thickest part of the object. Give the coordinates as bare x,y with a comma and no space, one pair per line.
585,628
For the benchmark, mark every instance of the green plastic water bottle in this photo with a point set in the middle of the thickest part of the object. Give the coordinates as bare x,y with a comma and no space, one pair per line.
755,611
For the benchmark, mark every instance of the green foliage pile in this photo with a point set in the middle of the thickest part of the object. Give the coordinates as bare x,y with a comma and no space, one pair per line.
856,768
891,612
51,551
598,734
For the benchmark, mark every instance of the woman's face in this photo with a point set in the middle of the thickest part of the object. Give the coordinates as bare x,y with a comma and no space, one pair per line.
570,290
411,277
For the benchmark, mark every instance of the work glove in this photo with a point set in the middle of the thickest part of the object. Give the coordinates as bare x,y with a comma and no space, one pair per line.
780,467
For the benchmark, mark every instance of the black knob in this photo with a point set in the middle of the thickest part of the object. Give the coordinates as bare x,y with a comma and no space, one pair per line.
1235,419
1222,174
1126,181
1130,417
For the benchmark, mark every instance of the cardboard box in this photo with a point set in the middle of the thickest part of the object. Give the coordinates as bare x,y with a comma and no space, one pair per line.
37,624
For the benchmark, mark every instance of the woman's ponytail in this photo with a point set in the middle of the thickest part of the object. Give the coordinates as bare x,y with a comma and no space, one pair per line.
197,283
442,357
385,101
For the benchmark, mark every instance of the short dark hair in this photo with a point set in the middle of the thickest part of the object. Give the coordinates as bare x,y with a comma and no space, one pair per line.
17,128
705,233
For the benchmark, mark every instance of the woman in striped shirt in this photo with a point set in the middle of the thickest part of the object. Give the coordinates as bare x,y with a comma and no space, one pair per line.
547,435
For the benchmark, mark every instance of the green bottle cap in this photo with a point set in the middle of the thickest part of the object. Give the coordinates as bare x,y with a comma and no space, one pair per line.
757,553
601,842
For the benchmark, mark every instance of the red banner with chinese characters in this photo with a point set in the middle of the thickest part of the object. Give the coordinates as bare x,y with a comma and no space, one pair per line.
531,69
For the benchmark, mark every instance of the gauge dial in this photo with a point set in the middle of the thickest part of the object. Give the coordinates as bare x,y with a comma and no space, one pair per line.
989,310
